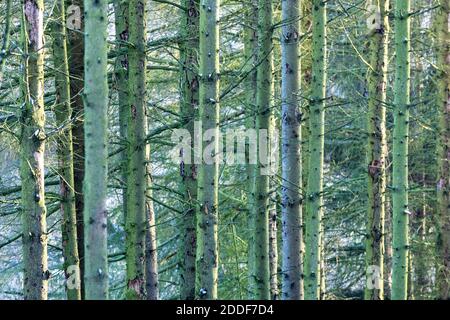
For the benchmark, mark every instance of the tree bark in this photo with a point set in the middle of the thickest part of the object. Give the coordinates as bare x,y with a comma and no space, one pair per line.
264,122
400,151
95,125
63,114
377,154
189,105
314,204
137,159
32,144
291,185
443,186
251,59
75,21
207,217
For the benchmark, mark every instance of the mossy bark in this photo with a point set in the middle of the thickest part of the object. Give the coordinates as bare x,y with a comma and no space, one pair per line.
32,149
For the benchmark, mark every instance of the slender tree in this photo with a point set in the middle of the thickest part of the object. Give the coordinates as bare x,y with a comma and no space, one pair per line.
95,183
207,217
63,114
137,162
75,29
264,122
32,144
400,151
443,99
377,152
189,104
314,194
250,52
291,149
121,83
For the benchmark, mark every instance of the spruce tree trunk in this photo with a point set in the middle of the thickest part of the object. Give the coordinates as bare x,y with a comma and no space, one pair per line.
314,201
376,154
136,217
291,206
76,68
400,151
32,145
264,121
189,104
121,85
443,186
250,52
207,217
95,125
63,114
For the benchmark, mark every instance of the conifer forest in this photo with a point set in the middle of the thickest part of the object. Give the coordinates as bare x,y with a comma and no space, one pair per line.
224,150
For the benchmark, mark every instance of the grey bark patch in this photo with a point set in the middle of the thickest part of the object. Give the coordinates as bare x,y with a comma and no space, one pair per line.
33,17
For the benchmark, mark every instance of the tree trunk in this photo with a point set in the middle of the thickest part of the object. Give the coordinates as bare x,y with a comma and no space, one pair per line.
135,225
189,104
121,85
400,151
443,186
314,194
32,144
207,218
75,28
63,114
264,123
96,121
291,185
376,154
251,59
